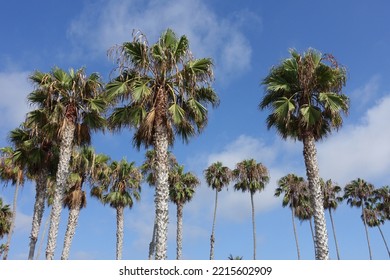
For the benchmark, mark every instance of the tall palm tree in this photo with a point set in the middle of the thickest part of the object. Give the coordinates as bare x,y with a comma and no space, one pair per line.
11,171
148,170
357,194
217,176
5,222
252,177
82,165
123,188
73,103
292,186
167,91
181,190
331,201
304,93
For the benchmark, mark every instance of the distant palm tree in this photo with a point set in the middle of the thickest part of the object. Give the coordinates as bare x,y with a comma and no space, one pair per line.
5,222
217,176
167,92
252,177
331,200
148,170
357,194
73,103
292,186
11,171
304,93
124,186
181,190
236,258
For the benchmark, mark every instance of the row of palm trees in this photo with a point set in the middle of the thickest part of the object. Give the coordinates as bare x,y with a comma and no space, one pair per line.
161,91
357,193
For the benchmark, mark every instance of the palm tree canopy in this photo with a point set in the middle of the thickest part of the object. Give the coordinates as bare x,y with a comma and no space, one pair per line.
10,170
62,96
164,86
5,218
250,176
357,192
330,191
304,92
181,185
293,187
217,176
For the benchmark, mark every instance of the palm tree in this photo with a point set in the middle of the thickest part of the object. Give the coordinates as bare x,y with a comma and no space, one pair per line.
374,214
167,92
331,200
252,177
217,176
304,92
73,103
292,186
11,171
236,258
181,190
82,165
123,188
148,170
357,194
5,222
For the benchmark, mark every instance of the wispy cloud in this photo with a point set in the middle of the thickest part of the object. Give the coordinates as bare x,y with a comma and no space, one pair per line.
367,93
100,26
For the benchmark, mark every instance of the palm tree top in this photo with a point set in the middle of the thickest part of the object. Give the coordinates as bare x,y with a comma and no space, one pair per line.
217,175
305,93
250,176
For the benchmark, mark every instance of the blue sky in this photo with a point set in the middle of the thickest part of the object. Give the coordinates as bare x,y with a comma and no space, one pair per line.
245,39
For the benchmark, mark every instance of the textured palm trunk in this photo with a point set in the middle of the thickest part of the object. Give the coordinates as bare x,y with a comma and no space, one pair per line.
384,240
212,237
162,192
179,231
295,232
61,184
12,226
39,208
152,244
253,227
334,234
366,229
321,234
119,232
70,230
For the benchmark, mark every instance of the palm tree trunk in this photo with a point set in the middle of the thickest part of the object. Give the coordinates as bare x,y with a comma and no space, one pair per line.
295,232
179,234
61,184
152,244
366,229
42,239
254,227
119,232
212,237
162,191
12,226
334,233
310,156
70,230
312,236
39,208
384,240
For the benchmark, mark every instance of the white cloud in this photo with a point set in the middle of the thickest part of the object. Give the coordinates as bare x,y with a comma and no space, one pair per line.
106,23
360,150
365,94
14,88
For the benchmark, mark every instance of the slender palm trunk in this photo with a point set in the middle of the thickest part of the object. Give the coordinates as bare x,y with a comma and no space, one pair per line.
384,240
162,192
334,233
152,244
212,237
119,232
366,229
42,239
295,232
12,226
179,233
70,230
321,234
61,184
312,236
39,208
253,227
